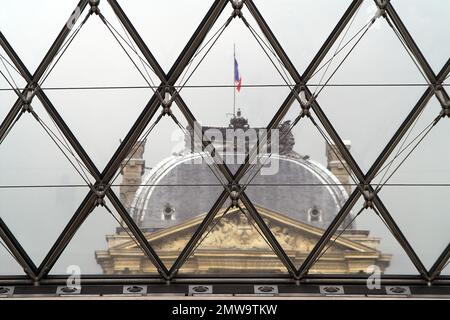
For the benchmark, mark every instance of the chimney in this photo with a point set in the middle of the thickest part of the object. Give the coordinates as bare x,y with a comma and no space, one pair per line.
336,166
132,172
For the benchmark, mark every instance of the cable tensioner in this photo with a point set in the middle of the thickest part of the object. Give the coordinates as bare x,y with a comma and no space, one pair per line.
100,192
381,12
305,112
445,112
234,196
369,196
26,100
306,106
382,4
166,104
94,6
237,8
445,103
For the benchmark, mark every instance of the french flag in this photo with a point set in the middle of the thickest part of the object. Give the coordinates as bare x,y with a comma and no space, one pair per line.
237,77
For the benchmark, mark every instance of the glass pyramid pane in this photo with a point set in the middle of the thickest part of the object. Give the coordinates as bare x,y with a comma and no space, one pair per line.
233,245
7,99
262,88
301,186
368,117
364,246
102,245
167,45
99,127
446,83
376,85
372,54
424,179
8,264
428,25
10,79
167,186
40,188
97,89
446,270
296,27
35,34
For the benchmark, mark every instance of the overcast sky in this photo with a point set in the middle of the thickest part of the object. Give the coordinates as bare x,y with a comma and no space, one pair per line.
367,116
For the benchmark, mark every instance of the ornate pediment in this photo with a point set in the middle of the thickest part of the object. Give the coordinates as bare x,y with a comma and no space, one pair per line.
233,243
236,231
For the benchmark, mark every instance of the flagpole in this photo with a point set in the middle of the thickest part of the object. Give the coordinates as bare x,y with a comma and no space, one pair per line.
234,83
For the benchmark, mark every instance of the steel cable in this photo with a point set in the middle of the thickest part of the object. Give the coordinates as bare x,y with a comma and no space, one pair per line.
9,251
202,86
155,92
208,232
213,168
220,185
139,144
400,149
66,45
337,49
429,128
177,92
402,41
86,180
125,228
338,236
201,49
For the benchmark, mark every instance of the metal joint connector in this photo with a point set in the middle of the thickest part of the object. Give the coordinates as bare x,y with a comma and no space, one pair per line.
94,6
382,4
100,192
305,104
234,195
445,112
381,12
305,112
445,103
27,99
368,198
237,8
166,104
26,107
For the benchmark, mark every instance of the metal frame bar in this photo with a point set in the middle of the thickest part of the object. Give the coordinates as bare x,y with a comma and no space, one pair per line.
410,43
168,80
130,140
440,263
16,249
316,108
79,217
341,147
383,157
50,108
243,168
226,278
331,40
7,236
51,53
51,258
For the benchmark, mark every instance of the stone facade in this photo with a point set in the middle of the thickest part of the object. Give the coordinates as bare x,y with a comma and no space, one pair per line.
235,245
132,171
338,166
